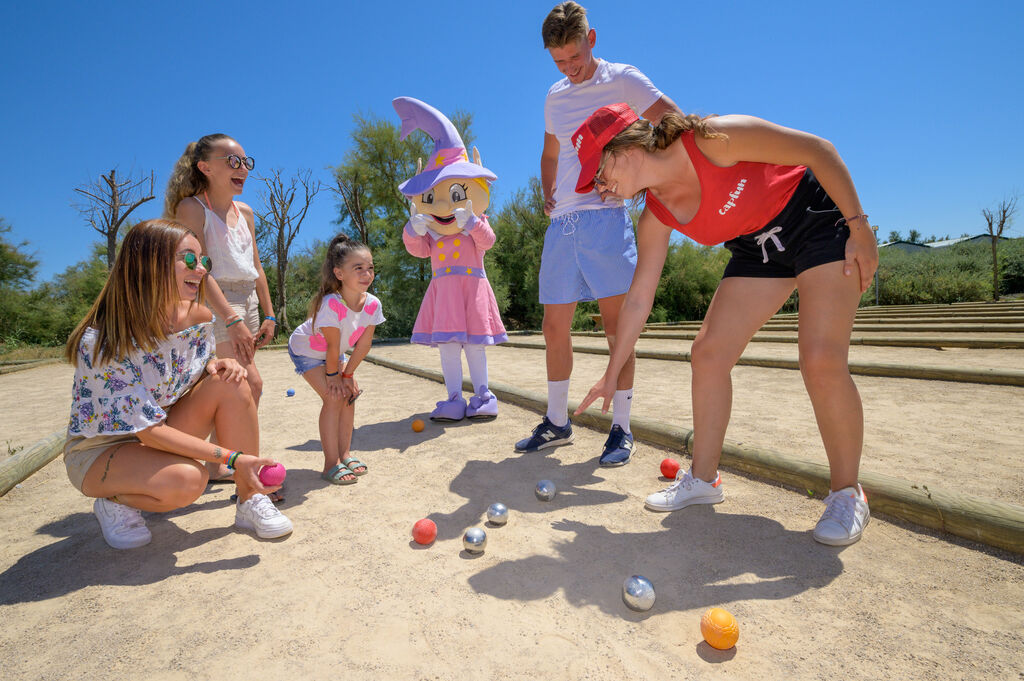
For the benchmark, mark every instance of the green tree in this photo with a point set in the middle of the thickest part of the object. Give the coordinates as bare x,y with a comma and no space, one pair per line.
914,237
514,262
894,236
17,268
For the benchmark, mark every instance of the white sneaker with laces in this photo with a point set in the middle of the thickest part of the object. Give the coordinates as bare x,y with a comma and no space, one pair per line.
123,526
845,517
260,514
686,490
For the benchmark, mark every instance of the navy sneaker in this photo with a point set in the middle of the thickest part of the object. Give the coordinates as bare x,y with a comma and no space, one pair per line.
546,435
617,448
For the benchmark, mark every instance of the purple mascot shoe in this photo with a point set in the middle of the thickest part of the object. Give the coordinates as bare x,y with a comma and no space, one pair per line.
483,406
452,409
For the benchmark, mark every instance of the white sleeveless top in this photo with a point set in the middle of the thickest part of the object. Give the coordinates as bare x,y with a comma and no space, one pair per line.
230,248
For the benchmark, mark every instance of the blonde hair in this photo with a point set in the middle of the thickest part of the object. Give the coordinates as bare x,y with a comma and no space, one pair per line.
565,24
338,250
483,183
651,138
131,310
186,179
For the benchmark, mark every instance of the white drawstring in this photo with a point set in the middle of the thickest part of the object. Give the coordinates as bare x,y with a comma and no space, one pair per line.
569,220
764,236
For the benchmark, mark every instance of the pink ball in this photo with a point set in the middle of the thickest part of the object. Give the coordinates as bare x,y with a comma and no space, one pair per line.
424,531
669,468
271,476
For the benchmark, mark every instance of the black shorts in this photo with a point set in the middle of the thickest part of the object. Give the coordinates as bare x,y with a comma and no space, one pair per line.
802,236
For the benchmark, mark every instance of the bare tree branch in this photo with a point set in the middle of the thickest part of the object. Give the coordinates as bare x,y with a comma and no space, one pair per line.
112,201
996,221
280,224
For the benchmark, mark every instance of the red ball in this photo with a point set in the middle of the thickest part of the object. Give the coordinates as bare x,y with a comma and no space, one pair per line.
424,531
272,476
669,468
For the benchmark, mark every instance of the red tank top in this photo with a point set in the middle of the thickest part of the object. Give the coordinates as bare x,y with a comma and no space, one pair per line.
734,201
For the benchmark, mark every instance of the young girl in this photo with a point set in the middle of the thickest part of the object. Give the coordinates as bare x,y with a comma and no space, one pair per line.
148,391
343,317
783,202
200,195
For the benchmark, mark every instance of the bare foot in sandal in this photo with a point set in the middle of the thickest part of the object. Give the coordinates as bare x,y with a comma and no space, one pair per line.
340,474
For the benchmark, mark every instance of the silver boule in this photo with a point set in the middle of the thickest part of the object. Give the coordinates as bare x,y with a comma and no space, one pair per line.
546,490
497,513
638,593
475,540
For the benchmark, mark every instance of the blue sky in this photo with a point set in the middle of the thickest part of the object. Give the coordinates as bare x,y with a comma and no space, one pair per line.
922,99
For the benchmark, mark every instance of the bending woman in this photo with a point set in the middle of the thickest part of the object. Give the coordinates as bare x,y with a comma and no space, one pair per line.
148,391
783,203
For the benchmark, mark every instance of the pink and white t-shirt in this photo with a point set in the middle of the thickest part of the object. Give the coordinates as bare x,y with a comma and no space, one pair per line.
307,341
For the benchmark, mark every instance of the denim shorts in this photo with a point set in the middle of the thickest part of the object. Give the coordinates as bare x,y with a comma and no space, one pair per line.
588,255
802,236
304,364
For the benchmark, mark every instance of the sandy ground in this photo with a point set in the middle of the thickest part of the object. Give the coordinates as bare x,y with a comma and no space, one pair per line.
349,595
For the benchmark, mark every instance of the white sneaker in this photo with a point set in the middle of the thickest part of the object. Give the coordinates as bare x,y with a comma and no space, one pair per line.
123,526
260,514
686,490
845,517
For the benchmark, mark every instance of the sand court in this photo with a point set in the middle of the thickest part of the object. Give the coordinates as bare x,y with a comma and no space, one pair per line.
349,593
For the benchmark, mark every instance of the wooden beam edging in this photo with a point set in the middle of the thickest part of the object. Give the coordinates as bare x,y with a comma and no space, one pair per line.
11,368
984,376
937,342
988,521
26,462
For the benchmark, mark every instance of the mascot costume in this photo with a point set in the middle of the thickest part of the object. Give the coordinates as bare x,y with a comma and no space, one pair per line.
447,224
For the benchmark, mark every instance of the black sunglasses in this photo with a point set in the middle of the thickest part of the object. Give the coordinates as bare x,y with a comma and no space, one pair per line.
236,161
191,259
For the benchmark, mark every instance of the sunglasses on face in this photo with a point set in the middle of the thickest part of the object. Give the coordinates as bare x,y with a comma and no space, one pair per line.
236,161
191,259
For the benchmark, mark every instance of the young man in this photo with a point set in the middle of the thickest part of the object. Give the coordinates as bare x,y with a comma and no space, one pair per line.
589,249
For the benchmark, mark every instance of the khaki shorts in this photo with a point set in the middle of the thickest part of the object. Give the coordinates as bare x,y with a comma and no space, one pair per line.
242,298
81,452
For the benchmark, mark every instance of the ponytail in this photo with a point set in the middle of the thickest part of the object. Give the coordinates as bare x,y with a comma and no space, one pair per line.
338,251
186,179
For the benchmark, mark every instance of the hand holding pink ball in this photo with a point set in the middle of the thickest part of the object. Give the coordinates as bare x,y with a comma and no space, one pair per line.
271,476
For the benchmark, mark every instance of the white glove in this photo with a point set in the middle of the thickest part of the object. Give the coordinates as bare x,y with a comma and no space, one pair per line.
417,220
463,215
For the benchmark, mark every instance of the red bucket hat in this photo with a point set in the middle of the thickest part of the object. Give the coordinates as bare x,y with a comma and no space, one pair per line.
591,137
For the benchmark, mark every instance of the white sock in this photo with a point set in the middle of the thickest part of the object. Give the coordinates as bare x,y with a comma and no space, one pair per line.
558,402
451,367
622,402
476,358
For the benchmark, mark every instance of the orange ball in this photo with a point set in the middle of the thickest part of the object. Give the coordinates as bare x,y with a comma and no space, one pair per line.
719,628
424,531
418,426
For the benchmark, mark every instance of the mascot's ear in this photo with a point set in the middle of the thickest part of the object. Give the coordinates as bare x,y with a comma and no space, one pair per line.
476,156
419,166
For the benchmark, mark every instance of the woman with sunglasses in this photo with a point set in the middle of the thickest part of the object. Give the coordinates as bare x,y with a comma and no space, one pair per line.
148,390
200,195
785,206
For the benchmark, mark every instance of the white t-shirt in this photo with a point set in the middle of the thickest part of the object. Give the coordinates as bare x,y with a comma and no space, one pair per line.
566,107
307,341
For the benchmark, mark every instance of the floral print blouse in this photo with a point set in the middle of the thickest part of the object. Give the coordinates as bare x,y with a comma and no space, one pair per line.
131,394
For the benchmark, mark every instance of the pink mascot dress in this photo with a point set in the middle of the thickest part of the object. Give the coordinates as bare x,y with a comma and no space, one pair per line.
447,224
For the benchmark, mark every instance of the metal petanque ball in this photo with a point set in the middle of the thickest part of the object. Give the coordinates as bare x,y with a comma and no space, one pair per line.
475,540
638,593
497,513
546,490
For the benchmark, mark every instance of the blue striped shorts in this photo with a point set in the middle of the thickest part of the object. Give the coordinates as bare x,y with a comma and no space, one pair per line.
588,255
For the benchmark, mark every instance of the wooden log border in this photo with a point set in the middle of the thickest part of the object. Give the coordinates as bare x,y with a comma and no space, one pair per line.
933,373
29,460
938,342
988,521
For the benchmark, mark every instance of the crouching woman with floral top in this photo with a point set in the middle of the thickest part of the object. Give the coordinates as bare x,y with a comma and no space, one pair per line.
148,391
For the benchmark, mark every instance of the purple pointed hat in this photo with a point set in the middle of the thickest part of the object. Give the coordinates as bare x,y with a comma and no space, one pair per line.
449,159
